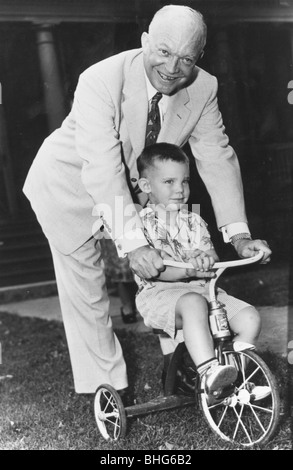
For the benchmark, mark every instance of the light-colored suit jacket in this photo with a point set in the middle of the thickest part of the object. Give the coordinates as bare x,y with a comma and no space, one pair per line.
91,159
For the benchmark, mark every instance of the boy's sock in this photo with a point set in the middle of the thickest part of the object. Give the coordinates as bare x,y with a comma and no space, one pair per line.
204,366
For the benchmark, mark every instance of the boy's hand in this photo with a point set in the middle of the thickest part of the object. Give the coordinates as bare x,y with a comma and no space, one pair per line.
203,263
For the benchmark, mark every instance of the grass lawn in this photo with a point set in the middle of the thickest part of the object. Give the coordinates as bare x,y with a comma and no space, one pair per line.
39,409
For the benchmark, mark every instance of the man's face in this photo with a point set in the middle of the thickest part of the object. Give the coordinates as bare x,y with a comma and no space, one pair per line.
170,56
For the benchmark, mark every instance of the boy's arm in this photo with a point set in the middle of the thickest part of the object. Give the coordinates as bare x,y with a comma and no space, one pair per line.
202,261
172,274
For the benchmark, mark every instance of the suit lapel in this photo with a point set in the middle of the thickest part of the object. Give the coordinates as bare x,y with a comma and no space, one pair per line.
135,105
135,109
176,117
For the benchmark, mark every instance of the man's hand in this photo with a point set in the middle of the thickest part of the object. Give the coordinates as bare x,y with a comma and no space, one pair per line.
146,262
249,248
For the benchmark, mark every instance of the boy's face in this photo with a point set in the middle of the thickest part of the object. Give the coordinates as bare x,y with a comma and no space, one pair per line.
167,184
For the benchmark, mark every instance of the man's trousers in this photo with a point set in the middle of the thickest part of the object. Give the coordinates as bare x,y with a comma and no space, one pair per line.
95,352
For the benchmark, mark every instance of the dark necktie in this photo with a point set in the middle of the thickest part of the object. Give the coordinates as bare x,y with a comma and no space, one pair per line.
153,128
154,122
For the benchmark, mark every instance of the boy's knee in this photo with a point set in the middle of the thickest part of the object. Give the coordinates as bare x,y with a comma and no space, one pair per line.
191,301
253,317
189,307
248,321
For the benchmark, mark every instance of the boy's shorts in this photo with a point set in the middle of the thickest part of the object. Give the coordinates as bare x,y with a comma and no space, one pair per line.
157,304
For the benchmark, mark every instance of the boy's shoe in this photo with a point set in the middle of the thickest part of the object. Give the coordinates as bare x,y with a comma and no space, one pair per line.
239,346
218,377
258,392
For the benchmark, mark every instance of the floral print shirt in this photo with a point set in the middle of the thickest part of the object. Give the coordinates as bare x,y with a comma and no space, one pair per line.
189,234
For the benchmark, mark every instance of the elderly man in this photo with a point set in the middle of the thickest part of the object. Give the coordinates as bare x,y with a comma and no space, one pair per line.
85,177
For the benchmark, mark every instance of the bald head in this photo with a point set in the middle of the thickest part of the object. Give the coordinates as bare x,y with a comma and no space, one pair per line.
180,19
172,47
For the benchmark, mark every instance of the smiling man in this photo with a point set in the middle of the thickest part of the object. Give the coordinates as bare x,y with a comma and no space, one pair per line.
85,176
172,47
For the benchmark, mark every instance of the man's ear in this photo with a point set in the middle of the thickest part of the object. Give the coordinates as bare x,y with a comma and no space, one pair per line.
144,40
144,185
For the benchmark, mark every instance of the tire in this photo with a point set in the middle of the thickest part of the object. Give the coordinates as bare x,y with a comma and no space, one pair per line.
110,413
239,418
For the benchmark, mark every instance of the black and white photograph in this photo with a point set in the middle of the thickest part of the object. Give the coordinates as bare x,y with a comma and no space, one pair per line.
146,227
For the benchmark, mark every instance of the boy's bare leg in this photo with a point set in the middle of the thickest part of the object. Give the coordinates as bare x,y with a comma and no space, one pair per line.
192,316
246,325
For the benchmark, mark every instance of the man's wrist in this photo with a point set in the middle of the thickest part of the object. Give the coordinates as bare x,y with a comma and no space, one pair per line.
239,236
130,252
130,241
232,229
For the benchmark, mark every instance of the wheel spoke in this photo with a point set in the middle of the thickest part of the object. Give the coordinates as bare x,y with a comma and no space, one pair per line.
109,400
239,421
222,417
257,419
216,405
246,380
116,425
240,363
267,410
114,414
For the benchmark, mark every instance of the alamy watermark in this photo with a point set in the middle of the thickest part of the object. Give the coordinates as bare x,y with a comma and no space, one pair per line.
1,93
122,220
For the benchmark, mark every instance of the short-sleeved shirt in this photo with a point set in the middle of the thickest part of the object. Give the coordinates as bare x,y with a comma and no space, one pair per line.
190,233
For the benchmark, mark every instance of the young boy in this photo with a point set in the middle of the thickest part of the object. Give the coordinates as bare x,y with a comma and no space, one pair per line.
177,299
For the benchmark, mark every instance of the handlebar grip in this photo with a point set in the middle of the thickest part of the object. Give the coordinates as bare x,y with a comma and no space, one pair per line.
219,265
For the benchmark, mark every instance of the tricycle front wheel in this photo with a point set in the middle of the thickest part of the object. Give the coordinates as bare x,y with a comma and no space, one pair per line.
249,415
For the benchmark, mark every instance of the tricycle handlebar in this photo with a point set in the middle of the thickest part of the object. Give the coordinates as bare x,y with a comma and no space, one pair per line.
219,265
